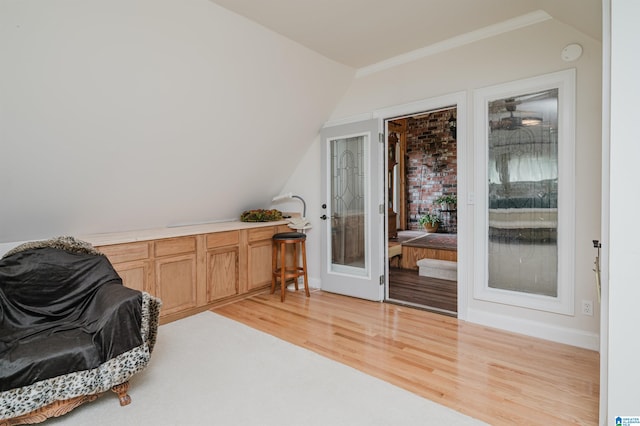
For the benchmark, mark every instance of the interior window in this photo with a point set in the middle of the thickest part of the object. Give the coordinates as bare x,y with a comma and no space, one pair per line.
525,186
523,193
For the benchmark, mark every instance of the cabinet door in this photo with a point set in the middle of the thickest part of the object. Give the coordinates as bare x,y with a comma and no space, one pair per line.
259,251
222,273
176,282
135,275
259,260
131,261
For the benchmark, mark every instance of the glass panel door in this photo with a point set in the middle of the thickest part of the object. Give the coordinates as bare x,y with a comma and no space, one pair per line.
352,229
348,213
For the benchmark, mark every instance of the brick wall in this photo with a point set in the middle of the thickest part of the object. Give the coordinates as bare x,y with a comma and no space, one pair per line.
431,167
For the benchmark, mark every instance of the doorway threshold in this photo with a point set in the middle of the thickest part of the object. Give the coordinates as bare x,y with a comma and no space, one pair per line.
422,307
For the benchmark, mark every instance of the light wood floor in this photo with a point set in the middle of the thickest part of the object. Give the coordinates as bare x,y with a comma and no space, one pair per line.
406,285
498,377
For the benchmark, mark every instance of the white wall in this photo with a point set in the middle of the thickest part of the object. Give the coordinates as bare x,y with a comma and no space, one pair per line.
133,114
130,114
305,181
523,53
624,251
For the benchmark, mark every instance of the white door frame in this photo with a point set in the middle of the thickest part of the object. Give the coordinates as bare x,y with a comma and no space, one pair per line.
465,198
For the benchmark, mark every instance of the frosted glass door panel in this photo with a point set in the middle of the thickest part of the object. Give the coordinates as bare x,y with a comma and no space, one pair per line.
348,212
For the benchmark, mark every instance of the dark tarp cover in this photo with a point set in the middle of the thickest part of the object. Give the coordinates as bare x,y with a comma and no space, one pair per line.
62,312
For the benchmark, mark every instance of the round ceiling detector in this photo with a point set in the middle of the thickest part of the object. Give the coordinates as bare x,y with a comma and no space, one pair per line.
571,52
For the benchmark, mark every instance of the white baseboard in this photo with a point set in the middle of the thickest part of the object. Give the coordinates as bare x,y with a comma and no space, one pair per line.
314,283
568,336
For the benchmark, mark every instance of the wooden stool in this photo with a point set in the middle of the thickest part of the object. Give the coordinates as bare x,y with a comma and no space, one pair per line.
283,271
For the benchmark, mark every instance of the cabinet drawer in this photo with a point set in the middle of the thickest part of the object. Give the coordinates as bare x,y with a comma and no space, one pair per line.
129,252
221,239
175,246
284,228
261,233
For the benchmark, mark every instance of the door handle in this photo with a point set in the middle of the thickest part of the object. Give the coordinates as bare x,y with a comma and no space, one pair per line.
323,217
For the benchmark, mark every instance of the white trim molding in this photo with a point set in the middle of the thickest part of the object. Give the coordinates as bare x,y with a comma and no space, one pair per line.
454,42
554,333
563,303
459,101
348,120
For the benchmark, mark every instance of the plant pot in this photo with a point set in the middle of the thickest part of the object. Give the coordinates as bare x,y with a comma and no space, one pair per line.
430,228
447,207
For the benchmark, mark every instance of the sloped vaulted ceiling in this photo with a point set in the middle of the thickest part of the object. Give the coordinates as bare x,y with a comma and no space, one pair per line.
359,33
134,114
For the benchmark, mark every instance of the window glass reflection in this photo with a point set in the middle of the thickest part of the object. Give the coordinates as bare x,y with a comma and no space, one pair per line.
523,193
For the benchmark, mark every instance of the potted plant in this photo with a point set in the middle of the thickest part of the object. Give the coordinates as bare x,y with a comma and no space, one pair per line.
429,221
447,202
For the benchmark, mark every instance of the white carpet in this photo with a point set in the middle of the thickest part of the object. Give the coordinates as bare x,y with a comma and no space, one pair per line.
209,370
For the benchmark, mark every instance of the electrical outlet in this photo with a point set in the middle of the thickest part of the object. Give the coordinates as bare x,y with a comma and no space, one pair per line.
587,307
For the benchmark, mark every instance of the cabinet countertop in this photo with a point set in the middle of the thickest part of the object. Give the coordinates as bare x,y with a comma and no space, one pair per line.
172,232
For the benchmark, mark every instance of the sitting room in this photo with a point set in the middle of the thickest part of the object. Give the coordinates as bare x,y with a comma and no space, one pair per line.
255,188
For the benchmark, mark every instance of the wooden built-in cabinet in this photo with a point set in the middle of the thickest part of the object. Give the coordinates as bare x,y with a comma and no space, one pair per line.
259,251
223,259
133,263
175,274
397,157
392,228
195,272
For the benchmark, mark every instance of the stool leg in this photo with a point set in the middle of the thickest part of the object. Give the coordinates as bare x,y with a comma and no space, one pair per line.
304,269
283,267
274,264
295,264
